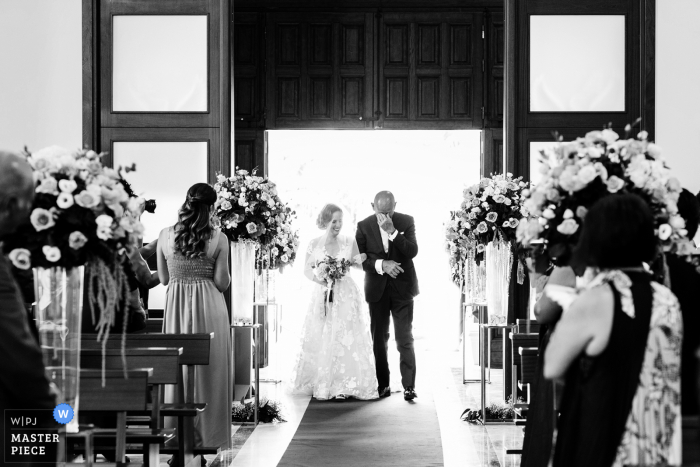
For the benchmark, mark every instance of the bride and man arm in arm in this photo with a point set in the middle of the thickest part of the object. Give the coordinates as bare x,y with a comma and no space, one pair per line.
385,245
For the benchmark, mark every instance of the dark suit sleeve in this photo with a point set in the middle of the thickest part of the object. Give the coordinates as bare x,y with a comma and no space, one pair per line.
361,239
406,242
22,378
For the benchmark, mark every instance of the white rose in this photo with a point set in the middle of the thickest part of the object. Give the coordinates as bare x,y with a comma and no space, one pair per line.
48,185
21,258
284,258
677,222
654,150
64,200
587,174
615,184
52,253
104,233
548,214
568,227
609,136
41,219
104,220
568,214
665,231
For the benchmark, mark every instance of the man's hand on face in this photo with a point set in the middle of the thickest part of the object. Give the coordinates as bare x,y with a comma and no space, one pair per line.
392,268
386,223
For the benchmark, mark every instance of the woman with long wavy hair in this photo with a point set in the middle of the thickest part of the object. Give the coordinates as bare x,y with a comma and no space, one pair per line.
193,264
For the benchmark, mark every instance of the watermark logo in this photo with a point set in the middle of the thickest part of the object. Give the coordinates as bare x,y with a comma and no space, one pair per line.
63,413
34,435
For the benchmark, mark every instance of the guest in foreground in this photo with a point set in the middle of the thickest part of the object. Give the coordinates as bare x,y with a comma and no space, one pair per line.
618,347
684,272
388,238
193,263
23,384
541,417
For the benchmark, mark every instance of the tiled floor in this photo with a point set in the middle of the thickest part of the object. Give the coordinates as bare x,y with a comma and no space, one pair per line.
464,444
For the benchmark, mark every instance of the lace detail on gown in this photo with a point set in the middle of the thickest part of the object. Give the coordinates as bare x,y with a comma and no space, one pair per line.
336,354
653,428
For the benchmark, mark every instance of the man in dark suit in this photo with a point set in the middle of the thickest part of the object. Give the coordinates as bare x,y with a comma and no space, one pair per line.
388,238
23,384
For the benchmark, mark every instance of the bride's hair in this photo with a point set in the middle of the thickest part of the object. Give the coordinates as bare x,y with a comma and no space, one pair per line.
193,227
326,214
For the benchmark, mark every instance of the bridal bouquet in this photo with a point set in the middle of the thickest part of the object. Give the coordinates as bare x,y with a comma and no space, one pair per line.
81,215
331,270
250,210
576,174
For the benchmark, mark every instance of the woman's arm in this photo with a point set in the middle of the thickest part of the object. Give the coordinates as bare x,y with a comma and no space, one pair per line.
584,327
163,274
148,250
548,311
222,278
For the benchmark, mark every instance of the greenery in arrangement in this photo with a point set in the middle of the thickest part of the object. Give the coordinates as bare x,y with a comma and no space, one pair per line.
578,173
269,412
250,210
490,209
504,411
81,215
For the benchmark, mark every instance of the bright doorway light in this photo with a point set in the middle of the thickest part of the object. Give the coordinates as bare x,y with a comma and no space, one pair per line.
426,171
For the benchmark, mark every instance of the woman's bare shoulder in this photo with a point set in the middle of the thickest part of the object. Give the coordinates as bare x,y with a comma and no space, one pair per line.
594,302
563,276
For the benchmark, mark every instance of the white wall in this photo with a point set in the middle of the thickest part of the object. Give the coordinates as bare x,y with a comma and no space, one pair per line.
40,74
678,87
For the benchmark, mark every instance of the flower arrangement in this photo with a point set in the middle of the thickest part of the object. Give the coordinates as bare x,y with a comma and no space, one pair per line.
81,215
576,174
282,251
250,210
490,209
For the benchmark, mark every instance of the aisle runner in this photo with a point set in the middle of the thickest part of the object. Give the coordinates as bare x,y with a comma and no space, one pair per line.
386,432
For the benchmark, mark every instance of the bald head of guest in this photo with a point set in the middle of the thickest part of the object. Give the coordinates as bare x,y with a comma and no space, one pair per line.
384,203
16,191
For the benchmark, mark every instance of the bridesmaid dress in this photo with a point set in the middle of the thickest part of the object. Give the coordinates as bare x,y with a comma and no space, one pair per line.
193,305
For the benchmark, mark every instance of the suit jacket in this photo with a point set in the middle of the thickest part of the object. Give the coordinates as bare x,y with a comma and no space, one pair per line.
402,250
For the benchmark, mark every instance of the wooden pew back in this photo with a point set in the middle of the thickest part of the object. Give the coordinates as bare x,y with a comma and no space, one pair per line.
163,360
118,395
195,347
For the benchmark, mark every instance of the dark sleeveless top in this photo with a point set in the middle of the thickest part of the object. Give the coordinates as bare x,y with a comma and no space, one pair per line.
599,390
539,426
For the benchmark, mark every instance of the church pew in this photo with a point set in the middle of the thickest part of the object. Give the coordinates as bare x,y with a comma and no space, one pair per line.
528,356
119,395
163,360
520,340
195,351
154,326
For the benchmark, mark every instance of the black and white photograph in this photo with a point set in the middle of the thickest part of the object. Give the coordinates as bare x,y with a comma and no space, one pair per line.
349,233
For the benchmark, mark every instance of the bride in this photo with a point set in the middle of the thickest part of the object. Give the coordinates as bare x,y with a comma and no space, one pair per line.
336,359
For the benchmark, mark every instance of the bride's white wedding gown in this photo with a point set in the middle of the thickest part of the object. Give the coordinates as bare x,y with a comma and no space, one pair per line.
336,355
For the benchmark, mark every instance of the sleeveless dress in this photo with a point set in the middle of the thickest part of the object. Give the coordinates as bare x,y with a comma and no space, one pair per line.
193,305
622,407
336,355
